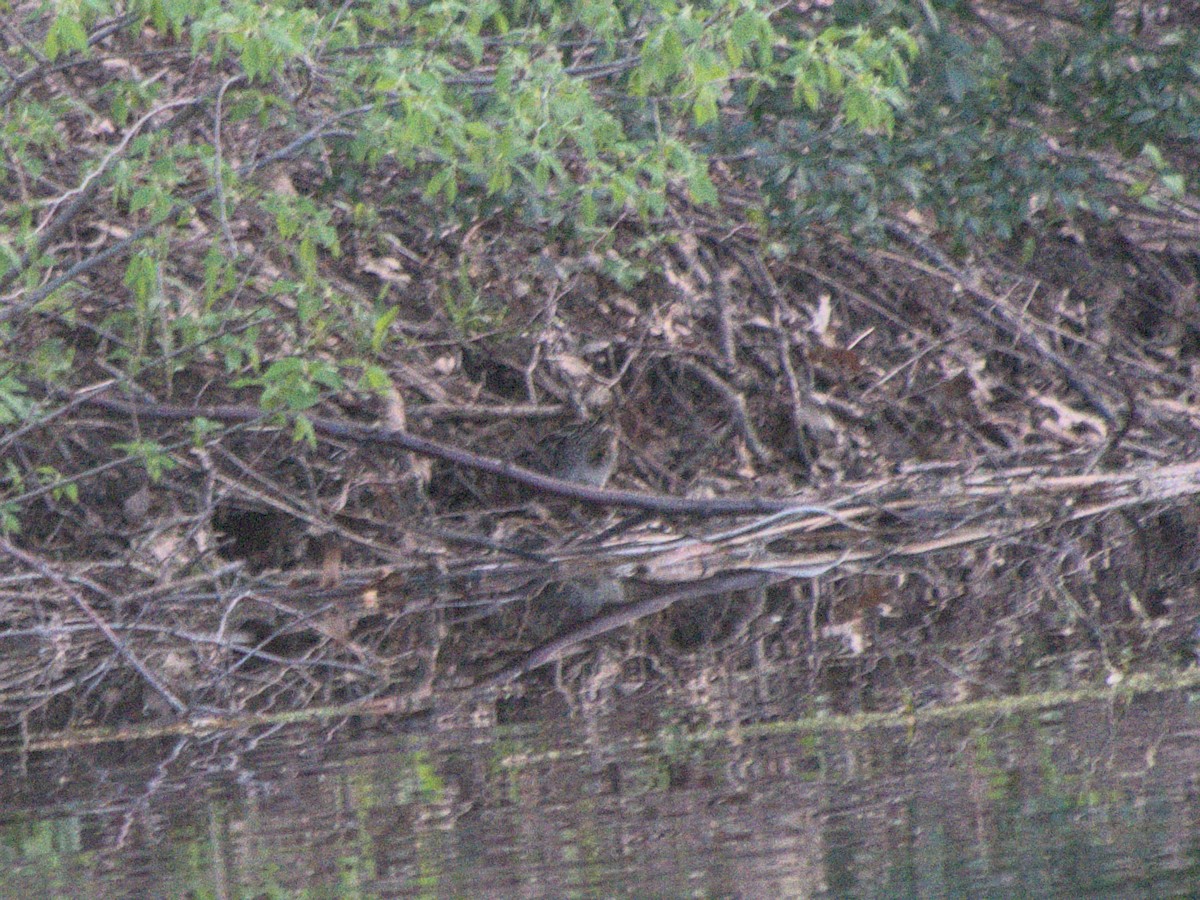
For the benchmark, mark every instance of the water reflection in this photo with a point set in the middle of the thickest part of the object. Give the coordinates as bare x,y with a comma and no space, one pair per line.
1092,798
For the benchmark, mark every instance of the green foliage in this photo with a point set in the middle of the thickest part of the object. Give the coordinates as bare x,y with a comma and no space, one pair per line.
226,183
469,311
52,361
149,323
153,457
10,519
376,380
203,429
983,140
65,34
15,404
296,384
61,488
581,112
304,228
536,134
1173,183
870,74
30,135
477,105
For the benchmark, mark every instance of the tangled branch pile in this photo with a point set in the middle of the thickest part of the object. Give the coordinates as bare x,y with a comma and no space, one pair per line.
288,307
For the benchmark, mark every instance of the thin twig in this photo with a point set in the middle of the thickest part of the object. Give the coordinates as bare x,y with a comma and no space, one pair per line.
66,587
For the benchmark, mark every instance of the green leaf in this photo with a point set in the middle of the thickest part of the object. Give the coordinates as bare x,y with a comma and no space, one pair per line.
65,35
1175,184
10,522
704,108
144,196
1152,153
303,431
15,406
151,454
701,188
439,183
379,329
203,429
376,379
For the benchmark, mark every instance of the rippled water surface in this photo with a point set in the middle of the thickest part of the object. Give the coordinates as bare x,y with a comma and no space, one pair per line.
1091,798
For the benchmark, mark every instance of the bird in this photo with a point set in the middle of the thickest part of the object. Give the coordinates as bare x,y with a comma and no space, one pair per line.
585,453
584,598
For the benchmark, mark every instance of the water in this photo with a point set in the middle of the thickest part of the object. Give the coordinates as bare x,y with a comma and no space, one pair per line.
1091,797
